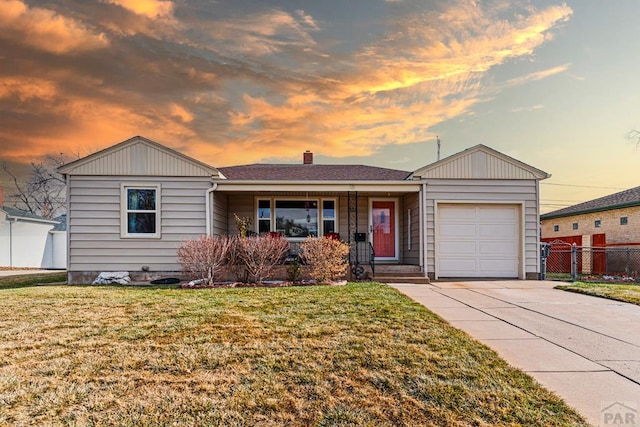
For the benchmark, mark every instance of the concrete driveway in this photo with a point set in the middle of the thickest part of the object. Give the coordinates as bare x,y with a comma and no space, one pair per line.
585,349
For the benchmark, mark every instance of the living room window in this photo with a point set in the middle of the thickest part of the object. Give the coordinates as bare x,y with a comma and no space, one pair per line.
297,218
140,211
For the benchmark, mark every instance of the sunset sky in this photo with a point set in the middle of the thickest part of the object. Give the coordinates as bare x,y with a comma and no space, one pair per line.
553,84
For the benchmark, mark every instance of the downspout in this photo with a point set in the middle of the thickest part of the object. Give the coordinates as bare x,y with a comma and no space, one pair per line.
11,243
423,237
208,207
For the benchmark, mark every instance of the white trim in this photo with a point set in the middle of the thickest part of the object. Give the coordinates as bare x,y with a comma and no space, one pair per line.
423,227
124,234
408,229
521,238
396,225
319,186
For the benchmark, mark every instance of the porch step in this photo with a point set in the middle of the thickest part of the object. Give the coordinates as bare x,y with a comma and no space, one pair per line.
402,279
399,273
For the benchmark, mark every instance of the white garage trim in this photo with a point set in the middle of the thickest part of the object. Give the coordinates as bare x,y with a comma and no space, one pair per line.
517,269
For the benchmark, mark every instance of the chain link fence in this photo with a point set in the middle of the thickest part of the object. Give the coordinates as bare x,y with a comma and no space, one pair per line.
562,261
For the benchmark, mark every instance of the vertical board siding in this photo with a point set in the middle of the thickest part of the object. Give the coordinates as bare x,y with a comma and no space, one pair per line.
141,159
477,165
94,223
486,191
410,201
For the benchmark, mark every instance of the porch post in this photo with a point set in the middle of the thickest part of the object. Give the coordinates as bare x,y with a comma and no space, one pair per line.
423,238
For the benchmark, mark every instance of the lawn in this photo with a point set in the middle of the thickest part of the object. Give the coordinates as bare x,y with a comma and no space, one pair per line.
361,355
618,292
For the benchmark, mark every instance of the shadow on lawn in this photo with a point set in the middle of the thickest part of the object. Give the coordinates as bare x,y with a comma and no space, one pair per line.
31,280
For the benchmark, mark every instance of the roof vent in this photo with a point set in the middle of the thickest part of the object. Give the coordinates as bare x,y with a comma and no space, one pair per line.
307,158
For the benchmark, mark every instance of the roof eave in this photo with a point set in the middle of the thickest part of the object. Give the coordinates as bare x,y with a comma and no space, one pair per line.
551,215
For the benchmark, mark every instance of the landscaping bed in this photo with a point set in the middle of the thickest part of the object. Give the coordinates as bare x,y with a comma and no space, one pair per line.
361,354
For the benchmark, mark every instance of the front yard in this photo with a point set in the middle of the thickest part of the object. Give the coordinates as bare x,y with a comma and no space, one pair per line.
361,354
618,292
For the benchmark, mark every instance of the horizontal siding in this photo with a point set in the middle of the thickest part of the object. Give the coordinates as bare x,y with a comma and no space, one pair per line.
94,223
486,191
220,213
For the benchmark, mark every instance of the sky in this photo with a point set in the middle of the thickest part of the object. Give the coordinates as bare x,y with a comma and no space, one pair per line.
553,84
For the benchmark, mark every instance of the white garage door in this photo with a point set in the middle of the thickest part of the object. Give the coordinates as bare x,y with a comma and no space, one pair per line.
475,240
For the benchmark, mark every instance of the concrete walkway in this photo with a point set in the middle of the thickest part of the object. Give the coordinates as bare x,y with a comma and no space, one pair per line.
585,349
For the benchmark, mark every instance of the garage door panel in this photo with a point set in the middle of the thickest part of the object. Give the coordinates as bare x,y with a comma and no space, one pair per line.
461,248
498,267
476,240
458,230
458,267
459,213
497,214
493,249
497,231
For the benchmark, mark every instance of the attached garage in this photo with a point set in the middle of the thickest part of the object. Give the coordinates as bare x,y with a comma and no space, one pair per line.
478,240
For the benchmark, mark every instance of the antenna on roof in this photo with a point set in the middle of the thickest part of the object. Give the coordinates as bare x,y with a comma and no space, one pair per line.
438,142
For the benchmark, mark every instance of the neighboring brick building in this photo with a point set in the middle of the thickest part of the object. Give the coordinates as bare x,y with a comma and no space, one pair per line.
616,216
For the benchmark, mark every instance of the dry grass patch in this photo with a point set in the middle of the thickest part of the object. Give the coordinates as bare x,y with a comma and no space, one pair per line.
618,292
362,355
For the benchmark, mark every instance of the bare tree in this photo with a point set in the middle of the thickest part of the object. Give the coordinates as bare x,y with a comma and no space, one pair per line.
634,137
43,192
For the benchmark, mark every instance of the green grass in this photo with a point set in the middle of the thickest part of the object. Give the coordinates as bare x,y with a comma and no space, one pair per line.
618,292
356,355
28,280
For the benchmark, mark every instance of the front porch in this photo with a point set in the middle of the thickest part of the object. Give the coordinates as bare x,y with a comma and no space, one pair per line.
382,228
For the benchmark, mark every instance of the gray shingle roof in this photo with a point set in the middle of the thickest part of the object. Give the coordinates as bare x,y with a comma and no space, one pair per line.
626,198
19,213
301,172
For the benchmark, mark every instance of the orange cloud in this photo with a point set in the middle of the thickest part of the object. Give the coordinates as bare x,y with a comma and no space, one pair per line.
46,30
149,8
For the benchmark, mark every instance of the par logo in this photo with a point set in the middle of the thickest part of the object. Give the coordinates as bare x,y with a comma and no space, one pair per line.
619,414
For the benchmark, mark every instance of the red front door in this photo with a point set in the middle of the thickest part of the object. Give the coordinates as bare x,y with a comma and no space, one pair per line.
383,218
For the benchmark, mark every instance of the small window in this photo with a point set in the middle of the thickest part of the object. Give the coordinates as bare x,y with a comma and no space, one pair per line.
264,216
140,211
329,216
556,228
575,225
597,223
624,220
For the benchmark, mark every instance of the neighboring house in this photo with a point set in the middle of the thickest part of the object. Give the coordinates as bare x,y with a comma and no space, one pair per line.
609,220
28,240
473,214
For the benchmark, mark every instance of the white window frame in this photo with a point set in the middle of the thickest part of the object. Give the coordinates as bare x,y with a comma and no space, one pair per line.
318,200
323,218
124,229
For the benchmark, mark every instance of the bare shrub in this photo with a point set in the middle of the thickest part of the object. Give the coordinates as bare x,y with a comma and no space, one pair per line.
327,258
205,258
259,255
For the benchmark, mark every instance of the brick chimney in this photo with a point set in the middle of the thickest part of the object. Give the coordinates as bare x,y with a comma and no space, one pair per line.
307,158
